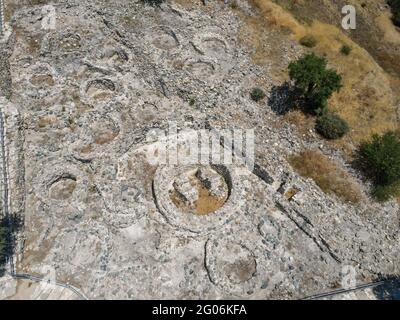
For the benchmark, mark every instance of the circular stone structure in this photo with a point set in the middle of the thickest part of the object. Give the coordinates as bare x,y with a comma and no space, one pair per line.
70,41
235,267
213,45
39,81
63,186
122,192
147,111
164,38
114,57
162,43
100,88
197,198
101,92
94,133
201,191
200,68
81,250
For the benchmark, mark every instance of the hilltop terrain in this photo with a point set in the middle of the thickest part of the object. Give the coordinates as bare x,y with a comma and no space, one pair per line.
83,103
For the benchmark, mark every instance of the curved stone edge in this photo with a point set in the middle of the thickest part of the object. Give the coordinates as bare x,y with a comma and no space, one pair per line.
247,288
195,226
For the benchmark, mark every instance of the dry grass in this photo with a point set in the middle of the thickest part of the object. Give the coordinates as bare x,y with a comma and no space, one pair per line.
41,80
303,122
187,4
205,204
45,121
326,174
105,137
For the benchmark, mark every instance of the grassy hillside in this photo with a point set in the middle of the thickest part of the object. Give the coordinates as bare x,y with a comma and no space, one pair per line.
369,98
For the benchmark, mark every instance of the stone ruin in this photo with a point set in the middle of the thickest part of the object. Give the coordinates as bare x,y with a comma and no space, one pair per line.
113,224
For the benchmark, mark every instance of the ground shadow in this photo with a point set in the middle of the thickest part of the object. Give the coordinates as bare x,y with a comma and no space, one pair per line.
9,227
283,98
390,290
358,164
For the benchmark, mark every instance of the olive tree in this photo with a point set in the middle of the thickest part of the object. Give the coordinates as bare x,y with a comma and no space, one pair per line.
314,82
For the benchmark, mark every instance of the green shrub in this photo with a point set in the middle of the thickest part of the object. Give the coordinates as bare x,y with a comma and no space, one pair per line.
331,126
308,41
314,82
257,94
346,50
395,6
386,192
380,158
234,5
153,2
3,243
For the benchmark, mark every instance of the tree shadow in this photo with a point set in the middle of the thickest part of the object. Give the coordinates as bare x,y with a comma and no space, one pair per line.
390,290
9,227
284,98
358,164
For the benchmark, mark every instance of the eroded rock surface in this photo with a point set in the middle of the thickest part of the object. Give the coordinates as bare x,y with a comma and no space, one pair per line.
117,225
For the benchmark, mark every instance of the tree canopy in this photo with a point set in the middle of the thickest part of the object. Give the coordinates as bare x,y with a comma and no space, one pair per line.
314,81
395,5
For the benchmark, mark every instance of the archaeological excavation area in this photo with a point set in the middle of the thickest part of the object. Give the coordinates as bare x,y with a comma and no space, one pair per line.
91,99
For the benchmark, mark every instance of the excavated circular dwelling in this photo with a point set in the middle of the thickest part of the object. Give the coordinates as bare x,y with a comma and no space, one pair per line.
62,186
163,38
38,81
64,43
162,44
200,68
200,191
234,267
115,57
70,42
147,111
121,189
80,251
197,199
100,89
94,132
102,92
212,45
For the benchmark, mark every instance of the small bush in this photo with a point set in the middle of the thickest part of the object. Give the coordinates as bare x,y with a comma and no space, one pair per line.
331,126
234,5
153,2
395,6
385,193
380,159
346,50
308,41
257,94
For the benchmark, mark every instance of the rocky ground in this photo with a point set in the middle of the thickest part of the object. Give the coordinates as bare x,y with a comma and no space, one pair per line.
98,209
